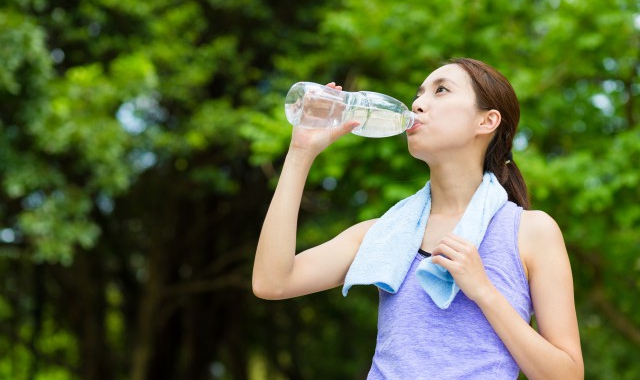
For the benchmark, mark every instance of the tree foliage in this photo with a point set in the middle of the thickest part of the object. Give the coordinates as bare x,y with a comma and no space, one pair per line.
142,141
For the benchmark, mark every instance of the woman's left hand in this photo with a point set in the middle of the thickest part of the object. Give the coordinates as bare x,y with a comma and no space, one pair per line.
461,258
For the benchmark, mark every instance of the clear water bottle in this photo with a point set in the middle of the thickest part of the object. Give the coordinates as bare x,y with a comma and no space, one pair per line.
312,105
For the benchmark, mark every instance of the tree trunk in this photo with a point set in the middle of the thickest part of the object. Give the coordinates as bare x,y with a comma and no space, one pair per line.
83,293
146,326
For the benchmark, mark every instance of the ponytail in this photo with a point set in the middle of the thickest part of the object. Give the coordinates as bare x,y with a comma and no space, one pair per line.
515,186
499,161
509,176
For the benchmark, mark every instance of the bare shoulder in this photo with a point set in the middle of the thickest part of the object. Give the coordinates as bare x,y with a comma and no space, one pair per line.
540,239
536,222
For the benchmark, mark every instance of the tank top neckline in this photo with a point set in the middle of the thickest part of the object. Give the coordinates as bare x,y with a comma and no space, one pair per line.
423,253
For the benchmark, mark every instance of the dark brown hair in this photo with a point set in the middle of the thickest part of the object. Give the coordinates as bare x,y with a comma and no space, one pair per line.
493,91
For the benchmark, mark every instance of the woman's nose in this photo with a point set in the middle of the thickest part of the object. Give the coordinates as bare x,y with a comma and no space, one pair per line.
417,107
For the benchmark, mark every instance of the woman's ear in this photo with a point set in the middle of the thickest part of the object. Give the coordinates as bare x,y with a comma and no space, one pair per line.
490,121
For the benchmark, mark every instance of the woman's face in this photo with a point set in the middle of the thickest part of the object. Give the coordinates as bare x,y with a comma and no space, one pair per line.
446,114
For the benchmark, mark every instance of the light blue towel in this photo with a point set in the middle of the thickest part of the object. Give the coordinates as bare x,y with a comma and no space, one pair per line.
391,244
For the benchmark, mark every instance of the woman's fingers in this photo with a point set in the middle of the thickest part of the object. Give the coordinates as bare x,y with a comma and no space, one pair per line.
447,248
462,259
454,251
316,140
347,126
334,86
455,242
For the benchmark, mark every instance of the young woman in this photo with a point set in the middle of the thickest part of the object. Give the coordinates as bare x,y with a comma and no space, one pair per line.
466,117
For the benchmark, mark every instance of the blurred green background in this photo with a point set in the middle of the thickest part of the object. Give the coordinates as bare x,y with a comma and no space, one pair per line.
141,142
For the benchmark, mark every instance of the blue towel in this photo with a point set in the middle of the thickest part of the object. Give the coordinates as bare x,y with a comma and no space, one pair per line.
391,244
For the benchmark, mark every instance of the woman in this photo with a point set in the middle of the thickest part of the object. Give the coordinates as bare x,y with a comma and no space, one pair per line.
466,117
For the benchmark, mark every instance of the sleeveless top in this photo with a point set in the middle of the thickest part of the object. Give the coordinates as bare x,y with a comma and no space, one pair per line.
418,340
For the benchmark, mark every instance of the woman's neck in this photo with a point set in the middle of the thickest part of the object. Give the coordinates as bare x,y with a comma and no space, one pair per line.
452,190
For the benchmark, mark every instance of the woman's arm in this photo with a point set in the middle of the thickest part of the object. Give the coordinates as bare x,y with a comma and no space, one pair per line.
554,351
551,285
278,272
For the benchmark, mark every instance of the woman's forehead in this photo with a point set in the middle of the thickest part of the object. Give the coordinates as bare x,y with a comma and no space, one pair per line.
448,73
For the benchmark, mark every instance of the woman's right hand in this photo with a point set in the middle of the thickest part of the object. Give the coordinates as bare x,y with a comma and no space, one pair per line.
314,141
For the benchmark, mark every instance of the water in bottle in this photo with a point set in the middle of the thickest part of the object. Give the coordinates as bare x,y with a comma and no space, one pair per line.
311,105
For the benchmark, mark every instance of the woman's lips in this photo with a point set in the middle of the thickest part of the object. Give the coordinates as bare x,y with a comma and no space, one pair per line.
416,125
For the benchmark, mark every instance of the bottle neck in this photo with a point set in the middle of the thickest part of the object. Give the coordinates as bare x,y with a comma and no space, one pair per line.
409,118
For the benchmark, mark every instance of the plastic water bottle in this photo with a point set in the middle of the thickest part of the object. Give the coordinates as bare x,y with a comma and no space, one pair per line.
312,105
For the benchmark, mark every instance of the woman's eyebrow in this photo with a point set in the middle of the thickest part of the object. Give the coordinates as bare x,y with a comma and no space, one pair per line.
440,81
436,82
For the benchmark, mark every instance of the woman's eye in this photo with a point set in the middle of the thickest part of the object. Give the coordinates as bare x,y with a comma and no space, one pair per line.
441,89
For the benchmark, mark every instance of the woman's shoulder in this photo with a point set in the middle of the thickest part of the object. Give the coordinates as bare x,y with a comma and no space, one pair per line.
536,222
540,238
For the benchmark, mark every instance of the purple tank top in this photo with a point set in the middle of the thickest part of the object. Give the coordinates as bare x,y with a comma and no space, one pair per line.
418,340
